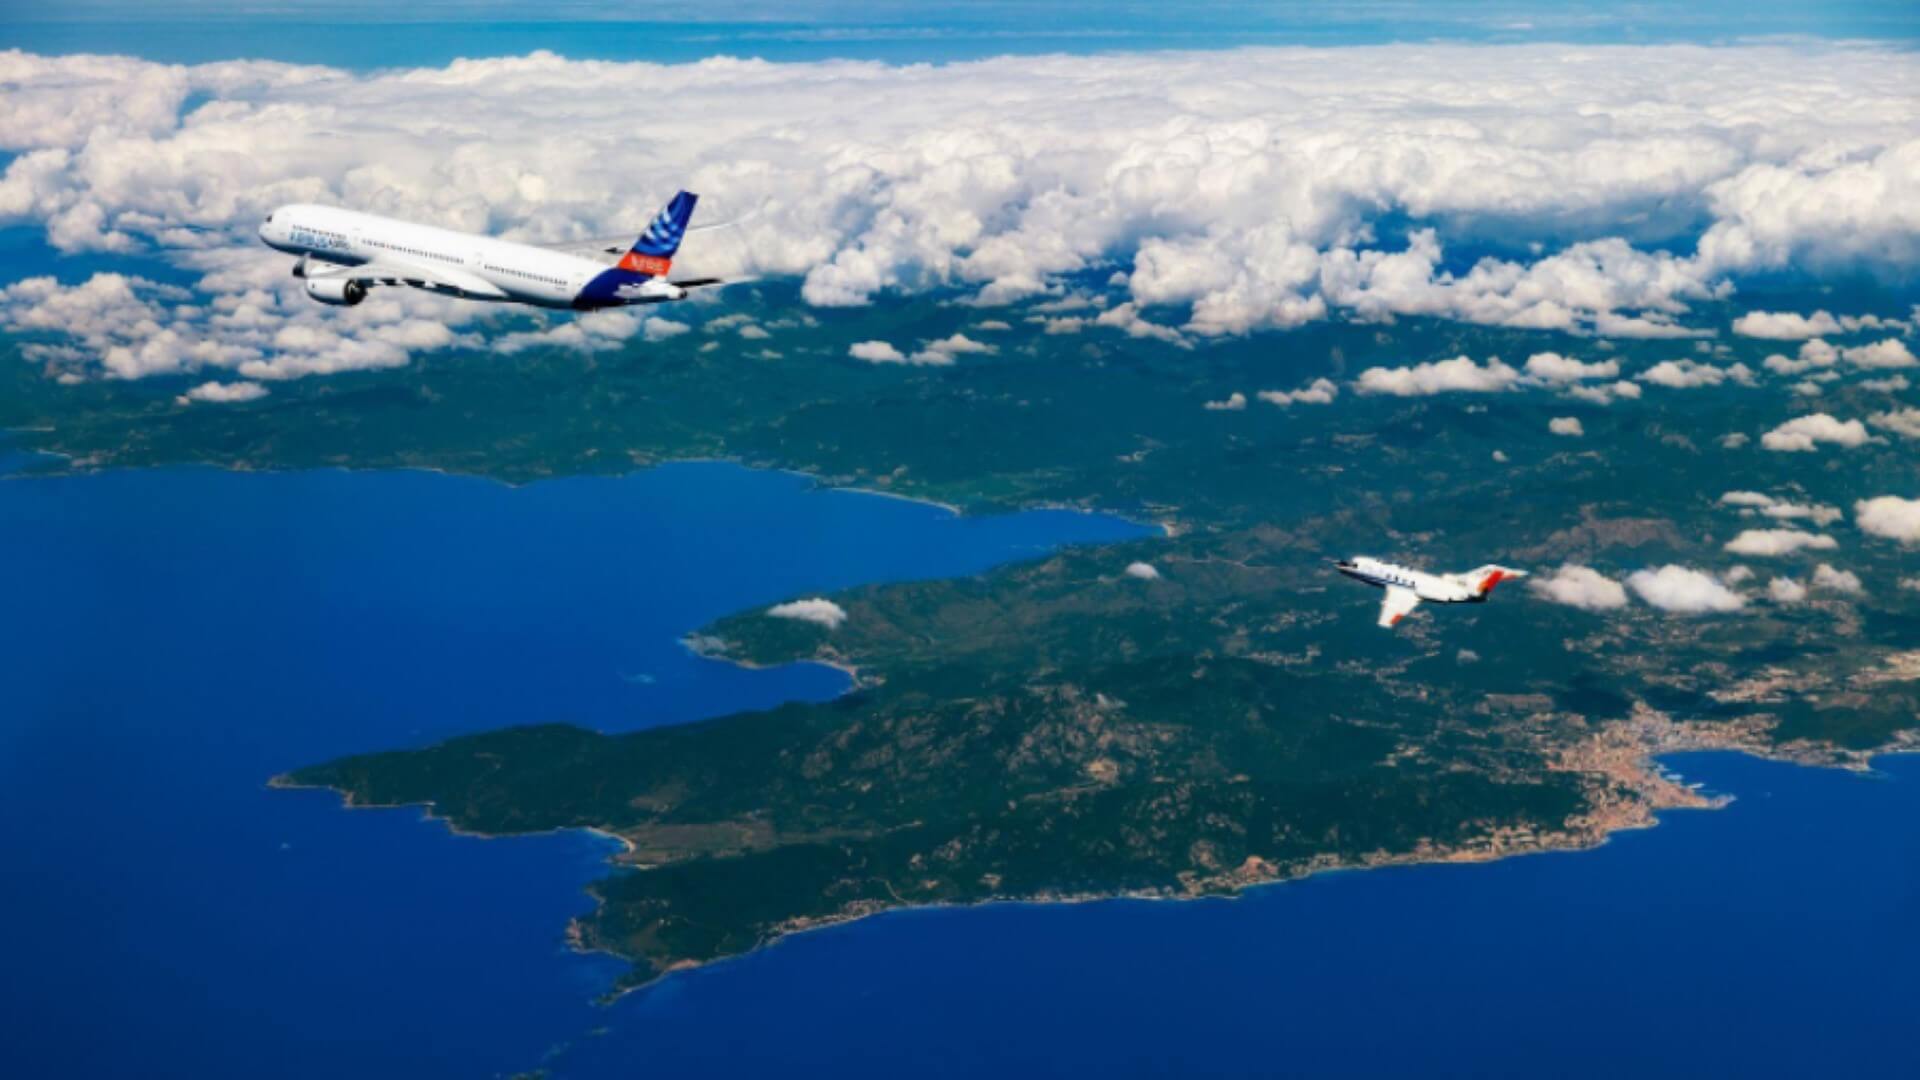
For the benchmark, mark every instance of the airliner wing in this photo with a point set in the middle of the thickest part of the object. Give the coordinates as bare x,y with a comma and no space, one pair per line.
1396,604
388,270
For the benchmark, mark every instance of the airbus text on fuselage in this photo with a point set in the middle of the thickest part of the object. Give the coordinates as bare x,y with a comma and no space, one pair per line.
343,253
1406,587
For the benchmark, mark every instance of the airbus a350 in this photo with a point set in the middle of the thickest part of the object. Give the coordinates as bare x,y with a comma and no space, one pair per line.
1406,587
344,253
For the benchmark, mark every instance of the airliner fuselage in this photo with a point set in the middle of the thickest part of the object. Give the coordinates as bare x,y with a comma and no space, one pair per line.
345,252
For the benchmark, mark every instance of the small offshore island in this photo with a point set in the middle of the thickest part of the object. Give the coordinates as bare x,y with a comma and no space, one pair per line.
1062,729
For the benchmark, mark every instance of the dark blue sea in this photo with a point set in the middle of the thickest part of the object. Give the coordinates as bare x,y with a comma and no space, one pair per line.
171,639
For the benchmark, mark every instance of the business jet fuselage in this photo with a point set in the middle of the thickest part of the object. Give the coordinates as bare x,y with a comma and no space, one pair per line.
344,253
1406,587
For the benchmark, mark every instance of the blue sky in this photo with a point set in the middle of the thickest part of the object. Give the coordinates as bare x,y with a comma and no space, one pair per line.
434,31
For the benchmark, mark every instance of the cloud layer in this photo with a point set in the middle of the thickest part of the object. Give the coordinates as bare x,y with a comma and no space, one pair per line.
1251,189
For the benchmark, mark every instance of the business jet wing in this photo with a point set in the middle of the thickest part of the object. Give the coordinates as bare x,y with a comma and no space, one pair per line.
1396,604
392,270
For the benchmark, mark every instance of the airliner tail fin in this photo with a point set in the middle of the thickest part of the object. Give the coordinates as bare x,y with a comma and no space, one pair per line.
653,253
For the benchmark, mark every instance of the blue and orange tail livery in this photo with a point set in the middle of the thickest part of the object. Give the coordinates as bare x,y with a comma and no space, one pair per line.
652,254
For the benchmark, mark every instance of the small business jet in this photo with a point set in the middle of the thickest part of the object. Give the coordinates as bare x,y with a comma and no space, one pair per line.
344,253
1407,587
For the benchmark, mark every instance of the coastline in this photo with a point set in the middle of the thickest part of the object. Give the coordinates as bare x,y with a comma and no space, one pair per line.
1660,793
75,466
1622,752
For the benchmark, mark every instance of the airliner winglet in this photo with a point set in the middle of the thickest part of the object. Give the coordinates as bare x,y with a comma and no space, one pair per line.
344,253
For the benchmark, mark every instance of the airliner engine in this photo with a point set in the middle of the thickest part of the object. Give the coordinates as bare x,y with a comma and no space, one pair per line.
336,291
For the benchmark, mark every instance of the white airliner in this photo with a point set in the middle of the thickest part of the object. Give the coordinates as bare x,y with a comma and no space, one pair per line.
343,253
1407,587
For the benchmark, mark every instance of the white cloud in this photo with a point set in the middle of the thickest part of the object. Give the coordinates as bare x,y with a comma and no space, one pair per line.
1734,440
660,329
1814,512
1605,395
1890,353
1769,542
1890,516
1791,326
1684,590
1143,571
1254,207
591,332
1553,368
1320,391
876,352
1566,425
1582,587
1785,325
1905,422
941,353
225,393
814,610
1459,374
258,323
1127,317
1804,434
1737,574
1584,288
1826,577
1786,591
1233,402
1755,501
1890,384
1689,374
1812,354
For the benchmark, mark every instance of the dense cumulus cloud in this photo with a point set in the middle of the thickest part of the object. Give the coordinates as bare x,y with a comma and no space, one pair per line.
1804,434
1890,516
1582,587
1247,189
1684,590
